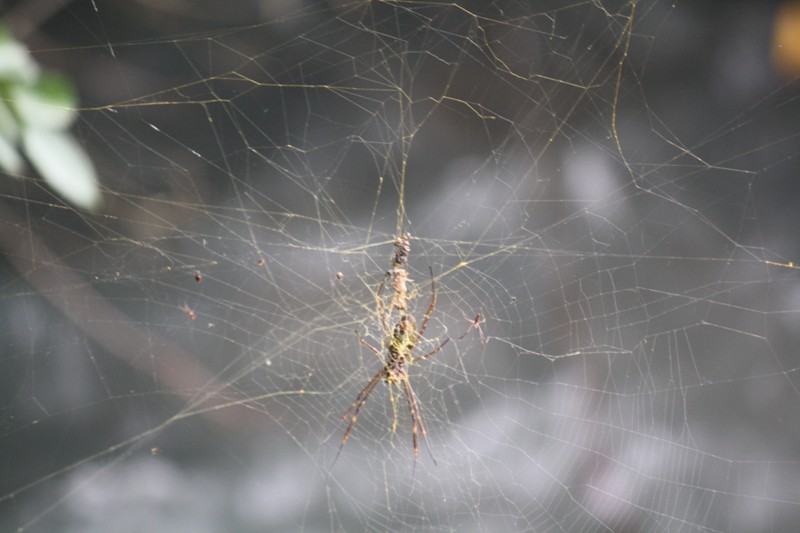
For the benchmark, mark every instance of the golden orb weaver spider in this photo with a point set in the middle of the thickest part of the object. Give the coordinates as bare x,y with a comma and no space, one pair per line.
400,344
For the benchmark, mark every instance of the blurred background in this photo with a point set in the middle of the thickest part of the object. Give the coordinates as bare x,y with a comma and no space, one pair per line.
610,185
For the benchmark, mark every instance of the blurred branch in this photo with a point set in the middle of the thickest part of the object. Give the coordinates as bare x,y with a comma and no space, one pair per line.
112,329
26,17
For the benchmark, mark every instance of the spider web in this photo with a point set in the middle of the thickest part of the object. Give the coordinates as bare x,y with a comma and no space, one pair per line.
607,184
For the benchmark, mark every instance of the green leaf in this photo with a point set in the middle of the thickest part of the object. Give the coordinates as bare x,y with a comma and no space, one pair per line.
16,64
48,104
10,160
9,129
62,162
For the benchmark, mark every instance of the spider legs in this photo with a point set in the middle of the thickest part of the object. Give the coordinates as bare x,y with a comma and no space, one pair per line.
432,352
431,306
371,347
355,408
399,344
379,304
416,420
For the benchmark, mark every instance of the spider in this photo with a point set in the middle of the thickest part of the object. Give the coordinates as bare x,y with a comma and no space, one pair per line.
475,323
400,344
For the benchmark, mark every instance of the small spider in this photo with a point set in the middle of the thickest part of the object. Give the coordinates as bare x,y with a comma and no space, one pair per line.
400,344
189,312
475,323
